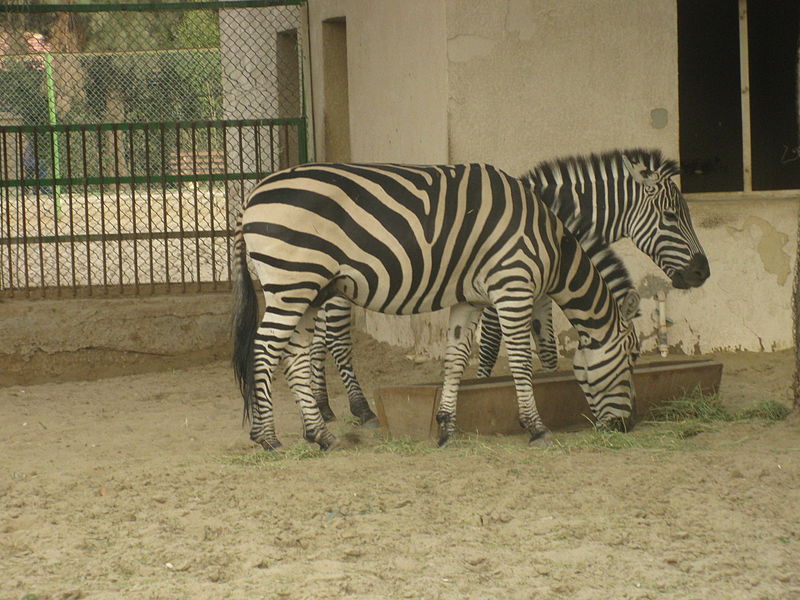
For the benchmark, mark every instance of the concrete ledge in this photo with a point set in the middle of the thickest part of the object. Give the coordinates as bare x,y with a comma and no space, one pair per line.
75,339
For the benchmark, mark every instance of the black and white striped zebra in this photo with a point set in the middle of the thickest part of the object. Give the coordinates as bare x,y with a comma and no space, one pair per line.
404,239
623,193
613,195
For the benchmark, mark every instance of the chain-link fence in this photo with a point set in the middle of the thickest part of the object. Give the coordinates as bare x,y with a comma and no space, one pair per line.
130,133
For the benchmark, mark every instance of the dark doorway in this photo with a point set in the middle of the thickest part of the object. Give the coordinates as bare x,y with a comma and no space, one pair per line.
337,99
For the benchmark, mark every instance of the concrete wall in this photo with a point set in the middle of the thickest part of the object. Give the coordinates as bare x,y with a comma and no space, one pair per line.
397,84
397,78
528,80
533,79
106,337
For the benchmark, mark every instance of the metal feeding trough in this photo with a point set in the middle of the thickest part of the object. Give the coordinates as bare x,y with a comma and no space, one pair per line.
489,406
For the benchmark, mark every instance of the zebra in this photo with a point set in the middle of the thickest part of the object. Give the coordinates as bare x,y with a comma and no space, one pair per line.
628,193
622,193
404,239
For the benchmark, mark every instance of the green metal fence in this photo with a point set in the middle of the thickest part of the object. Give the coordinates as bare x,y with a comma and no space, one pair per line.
130,134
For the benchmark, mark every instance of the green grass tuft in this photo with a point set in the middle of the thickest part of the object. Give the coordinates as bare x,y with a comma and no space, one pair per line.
766,411
260,458
695,406
667,428
404,446
655,436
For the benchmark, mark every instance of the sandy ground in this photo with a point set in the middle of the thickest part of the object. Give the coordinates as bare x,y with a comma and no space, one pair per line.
145,486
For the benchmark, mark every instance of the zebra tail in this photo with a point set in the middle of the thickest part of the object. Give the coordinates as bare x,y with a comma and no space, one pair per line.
245,321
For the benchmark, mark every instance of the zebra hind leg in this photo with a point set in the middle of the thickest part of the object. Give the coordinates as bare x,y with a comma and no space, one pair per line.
489,346
268,348
340,344
543,333
297,369
460,331
515,322
319,386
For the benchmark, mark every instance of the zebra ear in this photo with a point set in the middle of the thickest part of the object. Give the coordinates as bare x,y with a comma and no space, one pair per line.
629,306
640,173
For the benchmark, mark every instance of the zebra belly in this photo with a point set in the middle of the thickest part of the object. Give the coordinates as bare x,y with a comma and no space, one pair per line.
353,285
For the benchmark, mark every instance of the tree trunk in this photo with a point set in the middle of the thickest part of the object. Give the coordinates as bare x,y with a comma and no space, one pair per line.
796,319
796,290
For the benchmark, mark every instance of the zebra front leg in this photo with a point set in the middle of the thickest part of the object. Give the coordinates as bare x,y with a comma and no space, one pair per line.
460,331
515,315
339,313
319,386
543,333
489,346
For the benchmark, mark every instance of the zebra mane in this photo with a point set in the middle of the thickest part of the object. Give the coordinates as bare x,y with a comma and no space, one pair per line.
605,259
581,163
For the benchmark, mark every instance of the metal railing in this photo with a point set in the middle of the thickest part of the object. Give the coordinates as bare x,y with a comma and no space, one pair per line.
112,226
94,203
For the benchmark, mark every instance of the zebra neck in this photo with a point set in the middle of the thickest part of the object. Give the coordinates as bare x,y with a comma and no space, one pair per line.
594,203
582,295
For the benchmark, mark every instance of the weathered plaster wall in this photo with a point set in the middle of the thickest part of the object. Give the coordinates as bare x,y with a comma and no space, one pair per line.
397,78
533,79
746,303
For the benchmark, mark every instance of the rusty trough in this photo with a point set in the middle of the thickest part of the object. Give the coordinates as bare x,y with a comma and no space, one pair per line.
489,406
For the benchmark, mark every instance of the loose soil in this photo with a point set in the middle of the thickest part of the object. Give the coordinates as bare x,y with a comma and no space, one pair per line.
146,486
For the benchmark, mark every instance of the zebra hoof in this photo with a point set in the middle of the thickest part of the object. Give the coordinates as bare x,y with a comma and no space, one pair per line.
620,424
541,439
447,427
332,445
272,445
328,444
325,439
369,421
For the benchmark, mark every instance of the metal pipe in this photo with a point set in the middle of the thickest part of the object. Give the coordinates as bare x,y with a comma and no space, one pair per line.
663,346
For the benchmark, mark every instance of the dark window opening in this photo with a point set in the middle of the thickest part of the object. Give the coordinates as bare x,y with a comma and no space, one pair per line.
773,59
709,96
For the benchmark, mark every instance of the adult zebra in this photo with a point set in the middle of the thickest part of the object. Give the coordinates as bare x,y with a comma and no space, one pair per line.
411,239
623,193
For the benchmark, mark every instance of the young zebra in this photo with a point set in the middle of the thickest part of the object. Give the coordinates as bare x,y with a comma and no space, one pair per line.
411,239
623,193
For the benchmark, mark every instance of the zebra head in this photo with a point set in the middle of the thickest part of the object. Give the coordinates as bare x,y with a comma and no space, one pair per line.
604,368
660,224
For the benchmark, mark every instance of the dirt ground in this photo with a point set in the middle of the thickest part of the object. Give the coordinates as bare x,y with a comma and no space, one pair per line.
145,486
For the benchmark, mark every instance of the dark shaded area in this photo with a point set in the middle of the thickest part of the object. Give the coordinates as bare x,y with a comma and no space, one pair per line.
709,96
773,29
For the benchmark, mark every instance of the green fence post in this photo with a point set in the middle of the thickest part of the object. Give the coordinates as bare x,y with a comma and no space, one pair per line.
51,106
302,141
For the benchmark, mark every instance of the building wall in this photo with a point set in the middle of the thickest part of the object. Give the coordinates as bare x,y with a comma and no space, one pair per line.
529,80
397,84
397,78
533,79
